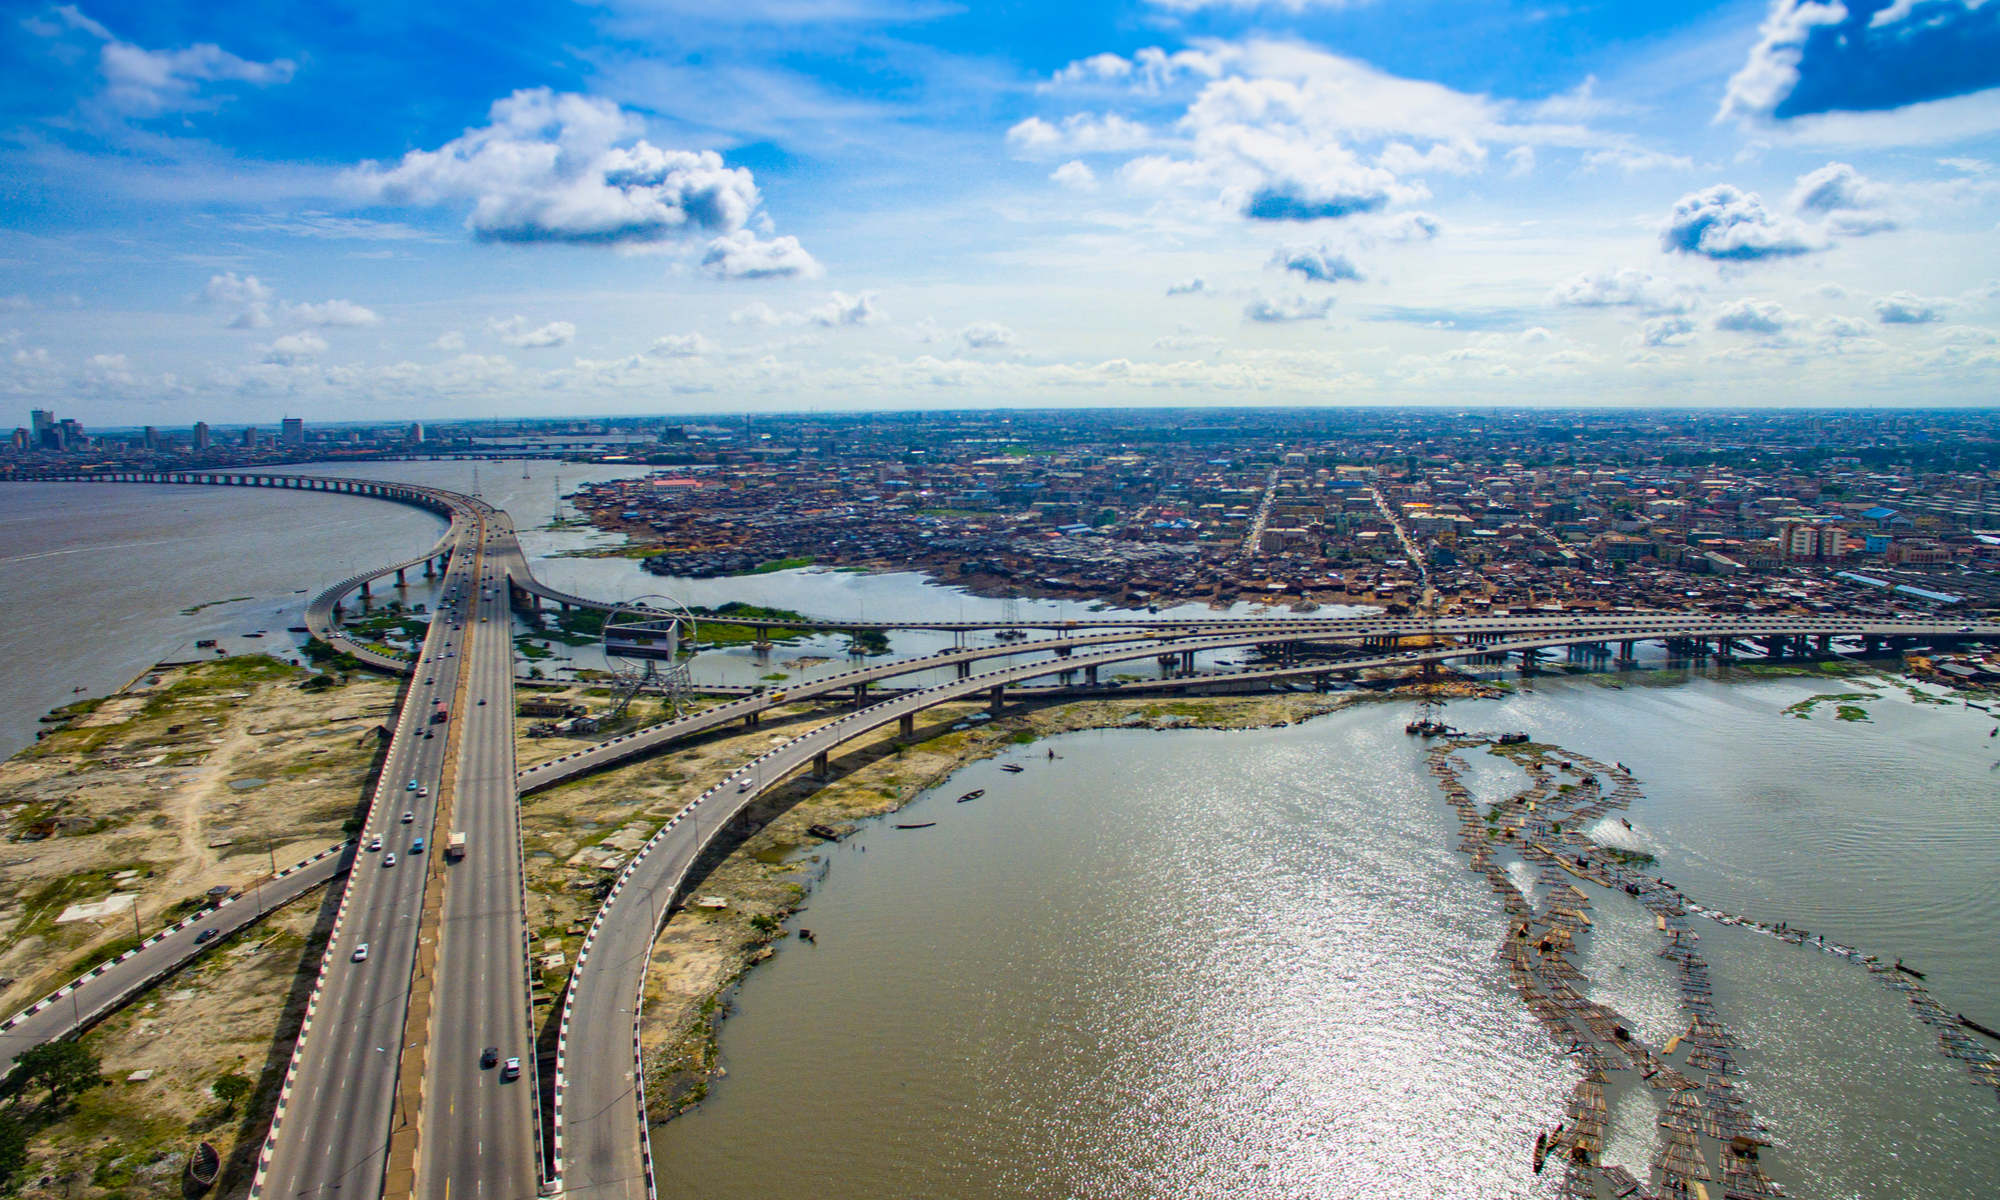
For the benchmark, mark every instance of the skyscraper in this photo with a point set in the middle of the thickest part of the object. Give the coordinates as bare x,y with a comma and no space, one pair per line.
202,441
292,432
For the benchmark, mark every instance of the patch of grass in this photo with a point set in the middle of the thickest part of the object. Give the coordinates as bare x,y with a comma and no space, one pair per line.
1850,712
781,564
1025,737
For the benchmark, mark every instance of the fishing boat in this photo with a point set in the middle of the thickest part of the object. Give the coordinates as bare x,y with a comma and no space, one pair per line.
204,1164
1012,768
918,825
974,794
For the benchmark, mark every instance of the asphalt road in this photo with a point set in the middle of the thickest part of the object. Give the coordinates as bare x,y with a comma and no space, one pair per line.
478,1129
604,1154
1592,627
98,994
331,1132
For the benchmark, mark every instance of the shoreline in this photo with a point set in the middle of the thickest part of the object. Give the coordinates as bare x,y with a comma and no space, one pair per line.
703,954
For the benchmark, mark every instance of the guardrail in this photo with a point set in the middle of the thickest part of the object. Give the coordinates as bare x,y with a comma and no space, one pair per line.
105,1007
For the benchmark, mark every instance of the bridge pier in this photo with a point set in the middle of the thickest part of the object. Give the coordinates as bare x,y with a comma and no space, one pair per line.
752,720
364,589
1090,673
996,700
401,582
821,767
964,670
861,694
1064,651
1187,662
906,725
1823,643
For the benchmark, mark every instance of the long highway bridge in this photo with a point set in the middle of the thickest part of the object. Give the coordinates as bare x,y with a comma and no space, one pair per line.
386,1094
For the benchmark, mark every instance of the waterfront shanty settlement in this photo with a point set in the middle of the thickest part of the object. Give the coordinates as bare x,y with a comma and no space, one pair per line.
1497,511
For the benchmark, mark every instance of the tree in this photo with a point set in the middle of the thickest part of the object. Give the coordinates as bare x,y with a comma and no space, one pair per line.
230,1089
13,1148
64,1068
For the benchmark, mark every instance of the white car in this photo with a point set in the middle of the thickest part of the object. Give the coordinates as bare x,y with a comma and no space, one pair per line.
389,860
361,952
375,843
409,817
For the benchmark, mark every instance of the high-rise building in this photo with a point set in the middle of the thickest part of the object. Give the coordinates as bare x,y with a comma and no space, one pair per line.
249,438
292,432
151,438
416,433
202,441
46,433
19,441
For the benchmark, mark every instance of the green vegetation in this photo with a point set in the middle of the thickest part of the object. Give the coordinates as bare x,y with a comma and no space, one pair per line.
64,1068
1846,700
781,564
1850,712
527,647
231,1089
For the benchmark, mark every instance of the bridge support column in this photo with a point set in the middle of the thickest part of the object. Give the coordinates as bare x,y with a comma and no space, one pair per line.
752,720
1870,645
1823,644
428,572
964,670
1187,662
996,699
364,588
821,769
861,694
1528,658
1090,673
400,580
906,725
1064,651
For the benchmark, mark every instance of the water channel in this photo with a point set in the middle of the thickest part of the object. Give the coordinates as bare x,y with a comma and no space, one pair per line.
1191,964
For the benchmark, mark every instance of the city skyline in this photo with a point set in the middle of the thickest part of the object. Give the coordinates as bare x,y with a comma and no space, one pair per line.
680,207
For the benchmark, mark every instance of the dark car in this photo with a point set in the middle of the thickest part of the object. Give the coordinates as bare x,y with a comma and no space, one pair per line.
489,1056
205,936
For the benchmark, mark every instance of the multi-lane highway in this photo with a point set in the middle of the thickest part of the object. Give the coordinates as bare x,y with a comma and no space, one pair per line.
601,1148
478,1126
473,1131
331,1131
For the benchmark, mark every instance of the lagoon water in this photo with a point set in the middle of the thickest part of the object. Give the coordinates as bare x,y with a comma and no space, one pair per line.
1192,964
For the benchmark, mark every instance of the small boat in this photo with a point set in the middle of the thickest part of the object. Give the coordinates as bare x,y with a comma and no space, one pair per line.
1012,768
1912,972
918,825
204,1163
824,832
975,794
1541,1149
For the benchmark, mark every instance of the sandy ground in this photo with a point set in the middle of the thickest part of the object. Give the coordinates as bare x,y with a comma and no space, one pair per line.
236,1011
196,777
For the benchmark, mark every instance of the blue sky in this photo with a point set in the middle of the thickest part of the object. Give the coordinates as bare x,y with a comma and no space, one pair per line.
239,211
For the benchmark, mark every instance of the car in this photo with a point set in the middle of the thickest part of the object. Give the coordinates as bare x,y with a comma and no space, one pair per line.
423,791
511,1069
389,859
482,704
204,937
375,843
361,952
417,847
409,817
410,786
428,735
489,1057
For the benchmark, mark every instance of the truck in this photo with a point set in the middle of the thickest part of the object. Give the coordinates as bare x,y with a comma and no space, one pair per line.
439,714
454,849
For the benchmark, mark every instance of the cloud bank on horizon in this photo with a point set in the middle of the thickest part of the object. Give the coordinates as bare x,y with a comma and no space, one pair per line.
674,205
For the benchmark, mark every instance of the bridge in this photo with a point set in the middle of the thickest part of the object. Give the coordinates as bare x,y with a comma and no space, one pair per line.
383,1094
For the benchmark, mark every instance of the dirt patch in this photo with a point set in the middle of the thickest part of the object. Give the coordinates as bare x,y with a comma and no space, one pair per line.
196,777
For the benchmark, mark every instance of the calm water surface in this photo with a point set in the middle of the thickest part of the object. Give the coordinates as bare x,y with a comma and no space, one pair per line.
1194,964
1197,964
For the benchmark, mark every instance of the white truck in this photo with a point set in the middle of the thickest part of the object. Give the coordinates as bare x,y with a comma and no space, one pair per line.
454,849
